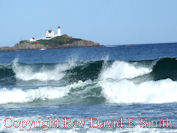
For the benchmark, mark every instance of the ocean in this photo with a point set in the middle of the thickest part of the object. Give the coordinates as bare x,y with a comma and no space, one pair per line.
128,88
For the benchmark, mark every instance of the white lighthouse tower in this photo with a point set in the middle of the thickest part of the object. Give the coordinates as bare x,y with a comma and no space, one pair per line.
59,31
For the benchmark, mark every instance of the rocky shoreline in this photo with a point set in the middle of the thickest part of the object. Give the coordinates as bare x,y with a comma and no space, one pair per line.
64,41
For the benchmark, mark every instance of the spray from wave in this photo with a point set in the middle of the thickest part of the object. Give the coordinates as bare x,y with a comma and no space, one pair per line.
123,70
42,72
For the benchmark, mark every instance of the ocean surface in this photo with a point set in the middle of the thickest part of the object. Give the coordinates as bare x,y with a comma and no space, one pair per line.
130,88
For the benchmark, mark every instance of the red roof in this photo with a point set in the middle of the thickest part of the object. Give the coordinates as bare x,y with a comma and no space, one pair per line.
36,42
49,31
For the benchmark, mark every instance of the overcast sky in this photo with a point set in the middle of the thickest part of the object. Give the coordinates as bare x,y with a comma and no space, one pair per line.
109,22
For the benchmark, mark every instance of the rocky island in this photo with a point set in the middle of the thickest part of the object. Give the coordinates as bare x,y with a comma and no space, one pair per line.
63,41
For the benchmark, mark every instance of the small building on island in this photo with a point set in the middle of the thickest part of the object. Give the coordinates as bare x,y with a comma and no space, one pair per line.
32,39
49,35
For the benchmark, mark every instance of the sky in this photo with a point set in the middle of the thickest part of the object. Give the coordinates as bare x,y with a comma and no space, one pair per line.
109,22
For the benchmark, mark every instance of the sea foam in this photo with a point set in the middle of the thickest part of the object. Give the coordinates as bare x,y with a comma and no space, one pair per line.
164,91
122,70
18,95
117,86
43,74
22,96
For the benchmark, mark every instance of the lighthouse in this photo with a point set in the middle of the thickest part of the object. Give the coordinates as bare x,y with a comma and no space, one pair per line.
58,31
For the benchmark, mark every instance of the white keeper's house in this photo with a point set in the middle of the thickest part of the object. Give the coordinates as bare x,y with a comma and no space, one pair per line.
49,35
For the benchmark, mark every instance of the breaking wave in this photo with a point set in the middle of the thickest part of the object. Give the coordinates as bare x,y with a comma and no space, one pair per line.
40,72
22,96
158,69
19,95
93,82
124,70
119,86
163,91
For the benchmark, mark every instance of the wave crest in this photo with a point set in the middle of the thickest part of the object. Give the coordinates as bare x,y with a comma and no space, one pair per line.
124,70
41,73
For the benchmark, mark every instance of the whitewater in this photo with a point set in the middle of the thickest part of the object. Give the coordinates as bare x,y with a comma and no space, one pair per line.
109,84
116,81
